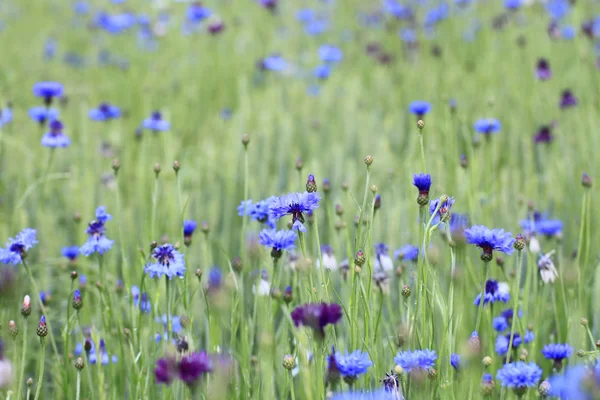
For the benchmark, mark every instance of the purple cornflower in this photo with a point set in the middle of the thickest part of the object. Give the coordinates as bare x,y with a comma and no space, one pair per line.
155,123
489,240
423,183
55,137
416,359
519,376
494,291
166,370
104,112
458,225
18,246
317,316
487,126
260,211
48,90
407,253
443,213
419,108
557,353
97,242
544,134
278,241
193,366
168,262
543,70
542,226
294,204
70,252
41,115
567,99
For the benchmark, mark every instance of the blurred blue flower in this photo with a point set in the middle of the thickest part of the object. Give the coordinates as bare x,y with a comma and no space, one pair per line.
316,27
577,382
55,137
244,208
196,12
296,205
330,54
322,71
274,62
42,114
407,253
305,15
48,90
70,252
50,48
189,226
45,297
487,126
16,246
443,211
142,302
215,278
494,291
97,242
397,10
567,99
419,108
455,360
6,115
104,112
278,240
519,375
81,7
557,9
380,394
502,322
568,32
416,359
513,5
167,262
115,24
155,123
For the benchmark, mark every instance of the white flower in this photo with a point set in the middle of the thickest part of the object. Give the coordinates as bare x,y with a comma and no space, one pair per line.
383,263
329,262
547,269
5,373
534,245
264,288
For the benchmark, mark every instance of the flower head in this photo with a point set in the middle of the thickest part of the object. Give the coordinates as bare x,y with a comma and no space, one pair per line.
567,99
166,370
278,240
274,62
519,375
330,54
577,382
18,246
193,366
543,70
142,302
419,108
407,252
189,226
547,269
41,115
97,242
48,90
317,316
443,212
557,352
104,112
416,359
294,204
512,5
70,252
487,126
155,123
423,183
353,364
168,262
489,239
197,12
544,135
494,291
55,137
455,361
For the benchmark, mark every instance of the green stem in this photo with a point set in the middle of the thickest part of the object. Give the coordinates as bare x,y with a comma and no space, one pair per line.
244,217
42,356
480,309
580,250
154,206
77,393
125,262
87,363
45,176
324,284
515,294
168,291
23,360
422,145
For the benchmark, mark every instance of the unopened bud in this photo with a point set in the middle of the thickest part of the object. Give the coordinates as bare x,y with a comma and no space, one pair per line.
368,160
420,124
289,362
245,140
116,166
156,169
176,166
487,361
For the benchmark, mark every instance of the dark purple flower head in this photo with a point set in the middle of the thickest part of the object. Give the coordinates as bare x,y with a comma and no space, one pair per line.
317,316
294,204
543,70
567,99
189,226
166,370
194,366
544,135
56,127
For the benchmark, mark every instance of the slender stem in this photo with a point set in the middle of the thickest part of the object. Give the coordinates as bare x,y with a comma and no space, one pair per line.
321,266
23,360
580,250
451,294
168,291
125,262
77,394
42,307
480,309
515,294
154,206
87,363
42,356
422,152
244,217
45,176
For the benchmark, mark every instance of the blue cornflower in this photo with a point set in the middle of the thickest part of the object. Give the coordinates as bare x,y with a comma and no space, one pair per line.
97,242
175,327
502,322
168,262
316,27
567,99
70,252
156,123
305,15
519,376
48,90
260,212
557,352
557,9
189,226
380,394
55,137
322,71
330,54
487,126
407,253
278,240
577,382
104,112
45,297
274,62
352,365
409,36
512,5
419,108
443,213
494,291
294,204
458,224
144,302
423,183
416,359
104,356
549,227
6,115
196,12
81,7
455,361
215,278
489,240
502,341
244,208
568,32
17,246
